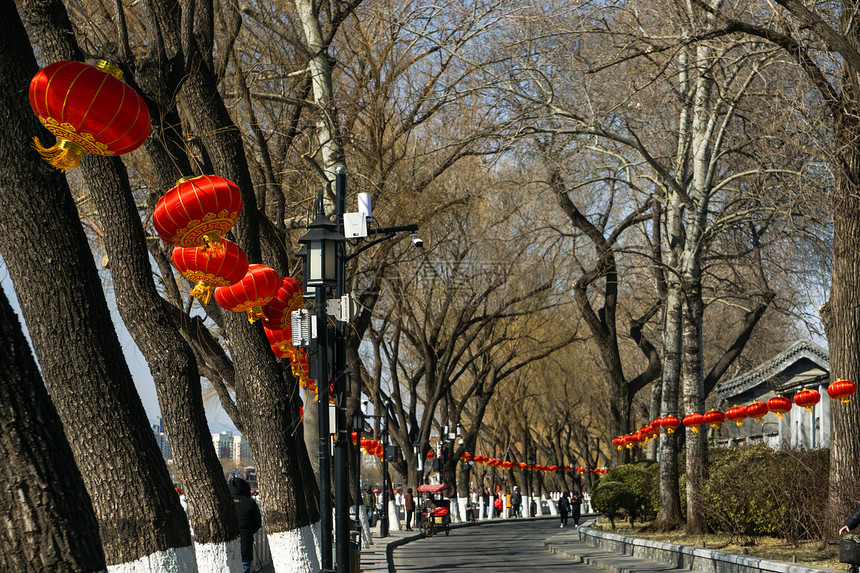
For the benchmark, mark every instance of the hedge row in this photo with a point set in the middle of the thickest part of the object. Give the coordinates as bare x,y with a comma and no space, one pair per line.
750,491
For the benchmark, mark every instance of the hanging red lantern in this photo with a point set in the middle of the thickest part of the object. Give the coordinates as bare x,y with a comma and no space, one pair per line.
523,466
281,339
779,405
89,109
466,456
841,389
197,211
671,423
693,421
430,455
256,288
553,468
277,314
641,437
757,410
714,418
737,414
211,268
630,440
618,442
807,399
354,437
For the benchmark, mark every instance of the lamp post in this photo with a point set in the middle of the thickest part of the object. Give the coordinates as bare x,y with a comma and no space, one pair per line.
320,274
383,516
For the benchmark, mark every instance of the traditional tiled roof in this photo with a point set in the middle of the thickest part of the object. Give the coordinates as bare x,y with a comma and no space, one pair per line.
802,349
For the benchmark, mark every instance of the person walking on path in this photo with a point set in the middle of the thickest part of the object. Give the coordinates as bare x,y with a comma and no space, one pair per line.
249,516
563,509
409,506
576,508
368,502
516,502
486,498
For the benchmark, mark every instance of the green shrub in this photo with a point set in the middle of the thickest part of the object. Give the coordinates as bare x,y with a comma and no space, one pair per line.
643,479
610,496
758,491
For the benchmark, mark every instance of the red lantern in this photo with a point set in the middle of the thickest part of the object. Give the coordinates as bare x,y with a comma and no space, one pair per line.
737,414
779,405
807,399
281,339
630,440
841,389
671,423
276,314
89,109
757,410
354,438
693,421
523,465
211,268
714,418
466,456
618,442
430,455
251,293
197,211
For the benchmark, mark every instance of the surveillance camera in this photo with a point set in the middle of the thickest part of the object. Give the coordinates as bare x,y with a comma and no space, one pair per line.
417,241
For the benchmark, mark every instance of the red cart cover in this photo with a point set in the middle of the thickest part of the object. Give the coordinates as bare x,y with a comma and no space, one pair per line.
433,488
440,512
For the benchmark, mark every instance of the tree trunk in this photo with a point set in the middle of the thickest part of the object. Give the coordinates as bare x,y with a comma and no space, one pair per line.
669,516
50,524
170,359
70,326
842,322
696,444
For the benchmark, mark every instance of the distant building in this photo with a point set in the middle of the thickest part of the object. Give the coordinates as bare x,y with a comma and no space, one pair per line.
803,365
229,446
161,438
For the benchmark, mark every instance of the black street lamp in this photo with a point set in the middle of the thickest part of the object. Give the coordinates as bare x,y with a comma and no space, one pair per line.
320,274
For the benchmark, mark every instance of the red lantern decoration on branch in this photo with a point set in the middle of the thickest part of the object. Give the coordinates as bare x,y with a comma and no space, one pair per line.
249,294
757,410
89,109
211,268
277,314
714,418
737,414
693,421
779,405
807,399
618,442
841,390
197,211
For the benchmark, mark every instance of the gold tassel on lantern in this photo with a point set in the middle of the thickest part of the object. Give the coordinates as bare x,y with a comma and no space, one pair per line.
64,155
202,291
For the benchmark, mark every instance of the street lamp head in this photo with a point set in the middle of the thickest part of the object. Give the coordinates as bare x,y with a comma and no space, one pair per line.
321,242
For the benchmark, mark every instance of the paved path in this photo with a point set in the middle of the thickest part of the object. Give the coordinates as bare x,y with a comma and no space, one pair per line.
496,546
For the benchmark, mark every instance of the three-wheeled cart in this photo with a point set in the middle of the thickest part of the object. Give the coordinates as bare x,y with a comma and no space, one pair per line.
435,509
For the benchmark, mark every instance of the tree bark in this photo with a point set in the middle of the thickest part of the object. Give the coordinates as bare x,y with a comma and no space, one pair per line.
50,523
72,333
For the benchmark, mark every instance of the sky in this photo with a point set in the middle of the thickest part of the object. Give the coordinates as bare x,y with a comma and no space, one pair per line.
216,416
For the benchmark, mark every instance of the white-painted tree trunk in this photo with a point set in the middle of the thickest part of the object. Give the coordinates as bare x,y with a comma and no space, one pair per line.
176,560
461,508
219,556
295,551
553,507
393,517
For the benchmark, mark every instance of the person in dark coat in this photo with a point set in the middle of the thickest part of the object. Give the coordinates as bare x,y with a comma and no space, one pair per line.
563,509
852,522
409,506
576,508
516,502
249,516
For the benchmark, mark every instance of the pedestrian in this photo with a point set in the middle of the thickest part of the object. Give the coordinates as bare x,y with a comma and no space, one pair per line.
409,506
852,522
486,499
576,508
563,509
516,502
368,502
498,505
250,520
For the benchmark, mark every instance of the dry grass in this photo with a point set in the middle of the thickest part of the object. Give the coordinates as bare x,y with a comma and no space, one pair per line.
808,553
